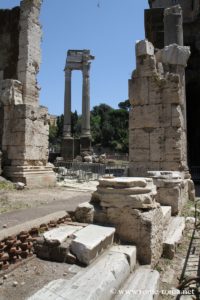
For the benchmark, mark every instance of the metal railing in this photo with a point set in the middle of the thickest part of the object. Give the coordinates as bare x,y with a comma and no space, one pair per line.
88,171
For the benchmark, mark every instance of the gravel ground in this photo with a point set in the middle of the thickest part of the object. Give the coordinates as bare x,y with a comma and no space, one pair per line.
28,278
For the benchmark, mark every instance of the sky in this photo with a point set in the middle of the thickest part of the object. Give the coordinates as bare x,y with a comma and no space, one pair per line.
109,28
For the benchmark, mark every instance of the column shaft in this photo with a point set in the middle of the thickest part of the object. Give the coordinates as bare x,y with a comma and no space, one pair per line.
173,26
67,105
86,101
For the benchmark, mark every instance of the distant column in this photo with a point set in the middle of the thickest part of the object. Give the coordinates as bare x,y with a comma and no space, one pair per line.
86,100
67,104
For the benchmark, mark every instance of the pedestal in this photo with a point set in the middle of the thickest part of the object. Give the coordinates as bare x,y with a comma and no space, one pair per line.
85,142
76,147
67,149
32,176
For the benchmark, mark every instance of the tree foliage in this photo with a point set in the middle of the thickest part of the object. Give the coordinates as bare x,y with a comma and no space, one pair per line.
109,127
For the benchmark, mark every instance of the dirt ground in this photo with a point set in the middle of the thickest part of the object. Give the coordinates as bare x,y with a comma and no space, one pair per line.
28,278
21,206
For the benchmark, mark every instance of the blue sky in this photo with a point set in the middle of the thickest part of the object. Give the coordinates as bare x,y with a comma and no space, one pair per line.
109,28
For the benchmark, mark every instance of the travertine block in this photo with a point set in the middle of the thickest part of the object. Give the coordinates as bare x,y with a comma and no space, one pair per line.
60,234
166,116
139,154
144,229
146,66
173,145
138,91
175,55
177,116
154,89
132,209
90,241
172,189
171,90
141,168
84,213
147,116
157,144
173,236
144,47
139,138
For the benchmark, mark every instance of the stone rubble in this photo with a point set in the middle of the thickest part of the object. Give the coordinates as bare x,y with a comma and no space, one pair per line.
84,213
90,241
172,236
172,189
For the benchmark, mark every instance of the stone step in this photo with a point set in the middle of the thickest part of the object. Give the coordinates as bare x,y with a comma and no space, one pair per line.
90,241
143,284
172,236
167,212
98,281
60,234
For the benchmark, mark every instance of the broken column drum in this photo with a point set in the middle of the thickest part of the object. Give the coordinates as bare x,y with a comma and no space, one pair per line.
129,205
77,60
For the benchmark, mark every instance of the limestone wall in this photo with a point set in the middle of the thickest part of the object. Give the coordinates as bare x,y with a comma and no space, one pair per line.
157,116
24,124
29,49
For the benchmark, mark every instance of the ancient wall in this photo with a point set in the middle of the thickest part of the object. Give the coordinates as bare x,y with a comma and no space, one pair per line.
24,125
157,128
9,41
29,49
154,28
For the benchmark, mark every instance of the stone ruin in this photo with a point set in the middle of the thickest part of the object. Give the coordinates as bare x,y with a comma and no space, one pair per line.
137,206
129,204
158,134
24,124
154,32
71,147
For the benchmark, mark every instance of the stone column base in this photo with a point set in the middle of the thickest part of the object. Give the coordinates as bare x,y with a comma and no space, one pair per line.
86,146
67,149
173,189
32,176
128,204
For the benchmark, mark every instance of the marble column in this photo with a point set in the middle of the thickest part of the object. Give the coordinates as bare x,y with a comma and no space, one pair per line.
67,147
86,101
67,104
85,139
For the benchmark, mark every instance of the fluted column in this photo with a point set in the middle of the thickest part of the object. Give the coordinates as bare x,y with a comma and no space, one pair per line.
67,104
86,100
